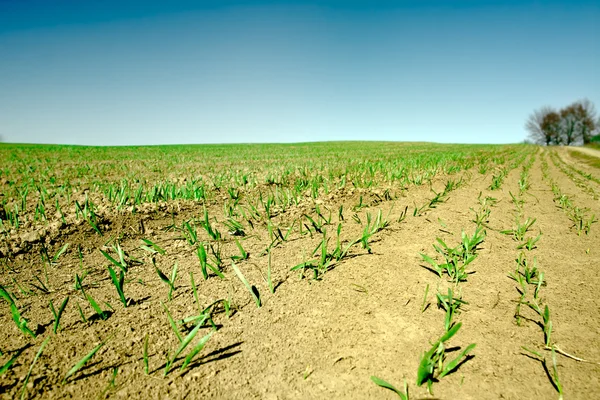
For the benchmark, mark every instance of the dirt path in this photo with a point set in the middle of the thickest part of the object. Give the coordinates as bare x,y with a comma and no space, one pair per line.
586,150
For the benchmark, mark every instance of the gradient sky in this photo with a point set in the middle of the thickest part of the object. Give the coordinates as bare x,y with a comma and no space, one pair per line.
158,72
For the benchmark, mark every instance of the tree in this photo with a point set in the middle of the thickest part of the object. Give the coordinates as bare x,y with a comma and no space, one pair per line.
575,124
542,126
578,122
568,124
589,124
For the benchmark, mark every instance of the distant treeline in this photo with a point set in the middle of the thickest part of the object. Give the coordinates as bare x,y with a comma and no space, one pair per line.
576,123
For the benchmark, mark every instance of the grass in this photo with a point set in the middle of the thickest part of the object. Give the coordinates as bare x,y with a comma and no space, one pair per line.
586,158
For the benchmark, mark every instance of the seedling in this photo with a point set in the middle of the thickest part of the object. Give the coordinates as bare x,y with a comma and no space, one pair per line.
529,244
520,230
546,322
450,304
38,354
59,253
235,228
19,320
122,264
170,282
118,282
152,247
10,362
497,181
184,343
58,314
96,307
552,374
213,233
380,382
243,254
84,360
204,264
172,323
433,362
252,289
145,354
189,233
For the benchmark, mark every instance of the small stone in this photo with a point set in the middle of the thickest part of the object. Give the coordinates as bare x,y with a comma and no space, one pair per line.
31,237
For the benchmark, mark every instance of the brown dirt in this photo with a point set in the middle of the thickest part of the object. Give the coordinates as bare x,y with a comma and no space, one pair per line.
321,339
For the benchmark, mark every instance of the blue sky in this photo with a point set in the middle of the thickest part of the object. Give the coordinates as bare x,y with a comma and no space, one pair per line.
155,72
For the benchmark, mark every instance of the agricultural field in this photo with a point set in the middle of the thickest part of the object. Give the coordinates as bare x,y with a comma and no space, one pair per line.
350,270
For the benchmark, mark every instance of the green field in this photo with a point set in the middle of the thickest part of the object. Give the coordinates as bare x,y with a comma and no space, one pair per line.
308,270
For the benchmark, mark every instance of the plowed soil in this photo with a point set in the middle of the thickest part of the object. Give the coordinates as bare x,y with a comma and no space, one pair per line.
317,339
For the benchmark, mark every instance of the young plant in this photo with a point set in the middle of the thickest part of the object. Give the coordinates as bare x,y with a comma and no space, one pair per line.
118,282
145,354
243,254
234,227
59,253
10,362
380,382
252,289
121,263
450,304
19,320
552,375
433,365
183,344
58,314
213,233
204,264
170,282
38,354
520,230
84,360
102,314
529,244
189,233
172,323
546,321
152,247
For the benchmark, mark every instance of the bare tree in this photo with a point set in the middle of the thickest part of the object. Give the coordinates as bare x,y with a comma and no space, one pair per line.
542,126
589,123
551,128
578,122
568,125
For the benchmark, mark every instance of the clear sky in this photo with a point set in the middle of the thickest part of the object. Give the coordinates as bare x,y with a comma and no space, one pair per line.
157,72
